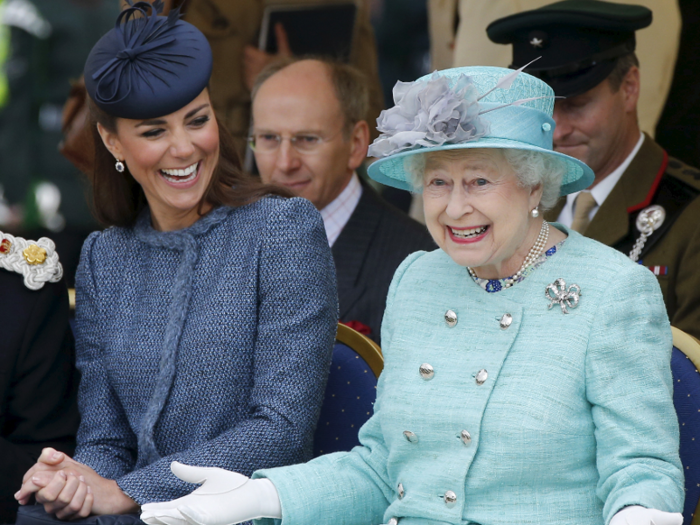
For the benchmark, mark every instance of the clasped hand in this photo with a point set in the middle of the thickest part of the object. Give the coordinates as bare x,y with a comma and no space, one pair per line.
70,489
223,499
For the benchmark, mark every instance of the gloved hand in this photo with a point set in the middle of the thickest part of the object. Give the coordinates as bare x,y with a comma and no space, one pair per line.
224,498
636,515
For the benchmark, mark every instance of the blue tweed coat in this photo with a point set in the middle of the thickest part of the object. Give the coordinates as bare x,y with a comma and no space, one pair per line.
574,420
209,345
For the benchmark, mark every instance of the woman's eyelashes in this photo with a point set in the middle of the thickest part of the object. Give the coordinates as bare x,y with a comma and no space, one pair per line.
437,182
151,133
197,122
470,185
437,186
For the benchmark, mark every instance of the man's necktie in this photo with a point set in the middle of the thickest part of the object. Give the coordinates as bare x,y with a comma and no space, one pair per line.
583,205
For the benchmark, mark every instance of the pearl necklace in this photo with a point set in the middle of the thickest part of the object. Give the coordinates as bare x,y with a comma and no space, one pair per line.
531,258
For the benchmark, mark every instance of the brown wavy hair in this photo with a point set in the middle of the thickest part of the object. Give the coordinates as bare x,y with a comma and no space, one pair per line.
117,199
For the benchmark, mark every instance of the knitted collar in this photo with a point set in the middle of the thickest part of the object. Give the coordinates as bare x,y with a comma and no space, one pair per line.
174,239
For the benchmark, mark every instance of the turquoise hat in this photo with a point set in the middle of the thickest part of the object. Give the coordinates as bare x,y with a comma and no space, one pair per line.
468,107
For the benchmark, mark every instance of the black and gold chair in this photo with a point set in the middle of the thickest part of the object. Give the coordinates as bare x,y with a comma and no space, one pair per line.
685,364
350,393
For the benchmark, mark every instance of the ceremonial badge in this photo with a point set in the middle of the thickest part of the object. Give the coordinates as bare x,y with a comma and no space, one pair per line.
37,261
649,220
557,293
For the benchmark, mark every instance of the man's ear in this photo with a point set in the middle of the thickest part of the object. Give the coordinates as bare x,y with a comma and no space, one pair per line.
360,142
630,87
111,142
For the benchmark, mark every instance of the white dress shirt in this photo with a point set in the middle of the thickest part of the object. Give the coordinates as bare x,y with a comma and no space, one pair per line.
337,214
600,191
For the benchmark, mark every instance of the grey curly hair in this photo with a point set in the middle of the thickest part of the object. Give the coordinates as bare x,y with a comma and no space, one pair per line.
531,167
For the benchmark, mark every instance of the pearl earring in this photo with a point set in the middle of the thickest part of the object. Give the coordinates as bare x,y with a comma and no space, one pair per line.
535,212
119,166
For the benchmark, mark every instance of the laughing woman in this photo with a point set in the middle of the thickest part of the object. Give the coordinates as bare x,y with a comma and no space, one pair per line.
206,314
527,369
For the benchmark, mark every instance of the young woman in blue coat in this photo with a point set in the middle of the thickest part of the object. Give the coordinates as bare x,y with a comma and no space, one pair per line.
206,314
527,369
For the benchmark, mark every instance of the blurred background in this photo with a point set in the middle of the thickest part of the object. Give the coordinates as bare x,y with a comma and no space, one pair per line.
44,44
43,47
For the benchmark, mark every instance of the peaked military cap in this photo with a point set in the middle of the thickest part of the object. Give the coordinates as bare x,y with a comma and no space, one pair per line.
576,43
148,66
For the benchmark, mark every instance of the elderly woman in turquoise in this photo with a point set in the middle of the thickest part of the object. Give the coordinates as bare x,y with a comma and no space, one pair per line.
527,369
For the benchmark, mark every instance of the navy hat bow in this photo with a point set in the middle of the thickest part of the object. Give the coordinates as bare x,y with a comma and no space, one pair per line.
148,65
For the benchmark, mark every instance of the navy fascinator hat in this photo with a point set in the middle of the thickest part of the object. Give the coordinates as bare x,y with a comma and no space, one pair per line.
148,66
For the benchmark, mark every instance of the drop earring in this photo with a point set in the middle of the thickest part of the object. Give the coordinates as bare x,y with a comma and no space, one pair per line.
119,166
535,212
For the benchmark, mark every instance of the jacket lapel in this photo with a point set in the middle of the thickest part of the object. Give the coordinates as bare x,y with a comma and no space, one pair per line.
611,223
351,247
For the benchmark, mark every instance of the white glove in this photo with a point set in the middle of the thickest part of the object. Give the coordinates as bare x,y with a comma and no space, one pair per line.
636,515
224,498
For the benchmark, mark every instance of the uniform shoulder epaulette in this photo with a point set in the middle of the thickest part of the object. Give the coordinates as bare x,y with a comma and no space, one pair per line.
36,261
680,170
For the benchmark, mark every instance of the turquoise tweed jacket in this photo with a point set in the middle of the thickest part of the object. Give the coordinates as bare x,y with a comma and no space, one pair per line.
574,420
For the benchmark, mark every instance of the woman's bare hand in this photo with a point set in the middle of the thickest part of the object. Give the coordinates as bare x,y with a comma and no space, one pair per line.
72,490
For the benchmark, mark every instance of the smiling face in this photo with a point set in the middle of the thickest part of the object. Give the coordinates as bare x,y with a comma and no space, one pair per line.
477,211
300,102
173,159
599,127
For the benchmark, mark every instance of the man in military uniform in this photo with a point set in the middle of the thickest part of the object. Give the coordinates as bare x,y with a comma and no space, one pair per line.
642,202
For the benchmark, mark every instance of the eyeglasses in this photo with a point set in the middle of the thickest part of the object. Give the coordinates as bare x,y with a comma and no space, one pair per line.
303,142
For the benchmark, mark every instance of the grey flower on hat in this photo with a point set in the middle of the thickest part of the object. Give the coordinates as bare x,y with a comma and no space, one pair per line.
430,113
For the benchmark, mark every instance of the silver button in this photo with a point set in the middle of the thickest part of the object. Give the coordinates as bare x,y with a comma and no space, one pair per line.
400,491
426,371
466,437
392,521
410,436
481,377
451,318
450,498
506,321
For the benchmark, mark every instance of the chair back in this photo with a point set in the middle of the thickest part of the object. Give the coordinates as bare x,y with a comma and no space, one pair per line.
350,393
685,365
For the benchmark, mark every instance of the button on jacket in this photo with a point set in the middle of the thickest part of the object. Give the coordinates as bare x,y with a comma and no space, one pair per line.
573,421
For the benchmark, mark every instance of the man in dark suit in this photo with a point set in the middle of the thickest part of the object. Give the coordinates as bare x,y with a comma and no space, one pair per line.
38,382
309,135
642,202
